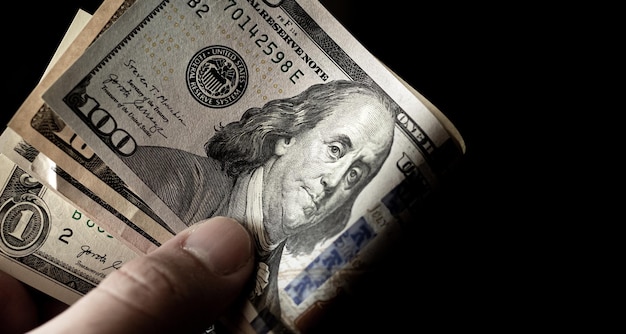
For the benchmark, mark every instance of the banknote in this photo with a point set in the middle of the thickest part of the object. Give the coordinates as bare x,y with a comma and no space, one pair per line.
50,244
228,107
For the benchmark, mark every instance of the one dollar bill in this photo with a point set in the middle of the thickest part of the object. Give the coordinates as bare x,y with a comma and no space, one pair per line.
48,243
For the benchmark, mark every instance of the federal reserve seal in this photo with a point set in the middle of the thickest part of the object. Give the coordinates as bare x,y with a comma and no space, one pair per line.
217,76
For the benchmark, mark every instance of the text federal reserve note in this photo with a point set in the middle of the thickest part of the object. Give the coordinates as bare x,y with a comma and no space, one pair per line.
48,243
265,111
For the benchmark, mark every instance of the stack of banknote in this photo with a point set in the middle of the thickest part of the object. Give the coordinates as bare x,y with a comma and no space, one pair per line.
154,115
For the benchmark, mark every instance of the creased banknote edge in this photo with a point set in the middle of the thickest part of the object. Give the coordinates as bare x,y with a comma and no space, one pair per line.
445,121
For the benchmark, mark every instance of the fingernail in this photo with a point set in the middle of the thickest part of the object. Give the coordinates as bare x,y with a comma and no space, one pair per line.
221,243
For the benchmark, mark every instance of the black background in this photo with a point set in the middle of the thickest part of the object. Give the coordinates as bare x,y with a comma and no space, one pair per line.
455,267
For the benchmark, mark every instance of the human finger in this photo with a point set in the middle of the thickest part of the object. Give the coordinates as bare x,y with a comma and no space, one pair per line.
182,286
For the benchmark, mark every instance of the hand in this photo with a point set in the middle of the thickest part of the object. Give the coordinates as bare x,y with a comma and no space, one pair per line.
183,286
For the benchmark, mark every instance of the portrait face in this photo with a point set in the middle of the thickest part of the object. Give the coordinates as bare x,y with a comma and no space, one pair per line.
318,171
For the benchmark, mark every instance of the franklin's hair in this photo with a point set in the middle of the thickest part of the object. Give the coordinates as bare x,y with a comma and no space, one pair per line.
248,143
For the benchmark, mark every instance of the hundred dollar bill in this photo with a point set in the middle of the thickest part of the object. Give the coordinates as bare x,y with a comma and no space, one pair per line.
170,74
46,242
267,111
40,127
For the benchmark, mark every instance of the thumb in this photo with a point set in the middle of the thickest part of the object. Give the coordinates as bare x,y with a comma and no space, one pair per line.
183,286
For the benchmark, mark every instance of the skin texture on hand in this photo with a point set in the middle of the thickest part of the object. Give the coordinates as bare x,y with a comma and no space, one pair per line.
16,296
183,286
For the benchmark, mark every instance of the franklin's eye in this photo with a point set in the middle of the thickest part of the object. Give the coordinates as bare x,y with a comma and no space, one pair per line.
335,151
353,176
